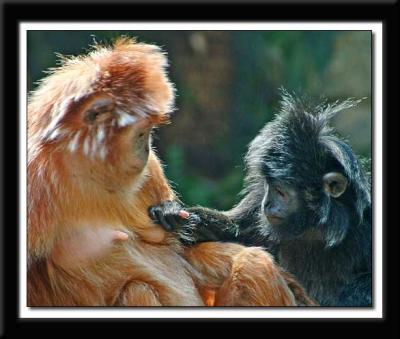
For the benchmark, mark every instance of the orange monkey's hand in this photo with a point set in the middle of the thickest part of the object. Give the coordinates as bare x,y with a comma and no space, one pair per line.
84,247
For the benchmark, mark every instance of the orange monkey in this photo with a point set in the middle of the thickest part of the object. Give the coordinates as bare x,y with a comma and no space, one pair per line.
92,175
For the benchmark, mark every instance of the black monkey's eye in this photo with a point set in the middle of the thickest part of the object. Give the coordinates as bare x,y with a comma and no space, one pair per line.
280,191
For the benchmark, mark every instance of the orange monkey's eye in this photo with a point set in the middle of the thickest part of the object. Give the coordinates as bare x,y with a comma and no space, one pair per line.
98,108
91,116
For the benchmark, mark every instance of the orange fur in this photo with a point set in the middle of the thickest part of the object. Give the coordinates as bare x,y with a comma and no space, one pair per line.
90,165
243,276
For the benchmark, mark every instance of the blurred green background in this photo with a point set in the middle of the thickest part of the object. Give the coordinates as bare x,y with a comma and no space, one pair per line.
227,89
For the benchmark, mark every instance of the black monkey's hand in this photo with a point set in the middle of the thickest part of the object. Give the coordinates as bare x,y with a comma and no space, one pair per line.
172,216
169,214
194,224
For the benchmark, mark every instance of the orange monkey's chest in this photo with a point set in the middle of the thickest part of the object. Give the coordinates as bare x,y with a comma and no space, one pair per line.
158,266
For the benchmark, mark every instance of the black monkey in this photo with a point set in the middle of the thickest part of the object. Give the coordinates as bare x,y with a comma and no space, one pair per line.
306,200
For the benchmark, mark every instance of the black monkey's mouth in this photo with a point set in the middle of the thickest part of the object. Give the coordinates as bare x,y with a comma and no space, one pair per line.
274,220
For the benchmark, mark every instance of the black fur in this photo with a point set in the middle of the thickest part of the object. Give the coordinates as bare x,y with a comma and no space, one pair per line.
326,244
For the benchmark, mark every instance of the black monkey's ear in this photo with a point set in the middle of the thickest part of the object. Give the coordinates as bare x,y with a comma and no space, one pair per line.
334,184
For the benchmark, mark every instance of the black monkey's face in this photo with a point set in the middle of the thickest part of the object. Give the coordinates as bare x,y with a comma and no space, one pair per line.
283,210
314,185
289,212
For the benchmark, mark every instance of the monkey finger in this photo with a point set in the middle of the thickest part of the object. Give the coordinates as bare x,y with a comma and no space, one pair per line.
173,220
183,214
162,220
194,219
152,213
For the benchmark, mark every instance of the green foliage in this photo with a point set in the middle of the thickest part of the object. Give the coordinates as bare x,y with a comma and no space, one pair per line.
199,190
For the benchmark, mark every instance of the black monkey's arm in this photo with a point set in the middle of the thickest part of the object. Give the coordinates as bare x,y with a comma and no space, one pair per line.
202,224
214,225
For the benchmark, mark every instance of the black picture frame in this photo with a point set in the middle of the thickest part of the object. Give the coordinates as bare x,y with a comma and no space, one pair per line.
14,13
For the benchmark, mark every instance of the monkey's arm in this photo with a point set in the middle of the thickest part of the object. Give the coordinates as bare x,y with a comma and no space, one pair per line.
206,224
138,293
195,224
241,276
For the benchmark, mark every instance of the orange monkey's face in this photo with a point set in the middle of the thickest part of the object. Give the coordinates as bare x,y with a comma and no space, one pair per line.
102,131
104,142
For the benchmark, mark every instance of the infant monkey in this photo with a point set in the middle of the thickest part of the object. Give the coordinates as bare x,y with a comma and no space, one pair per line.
92,176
